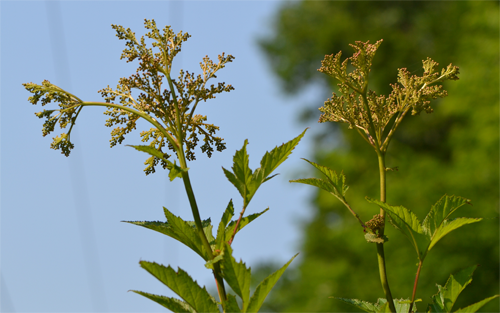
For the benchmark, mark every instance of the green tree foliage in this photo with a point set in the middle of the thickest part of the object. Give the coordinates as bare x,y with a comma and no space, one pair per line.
454,150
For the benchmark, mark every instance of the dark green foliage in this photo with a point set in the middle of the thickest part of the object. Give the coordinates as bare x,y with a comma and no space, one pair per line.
454,150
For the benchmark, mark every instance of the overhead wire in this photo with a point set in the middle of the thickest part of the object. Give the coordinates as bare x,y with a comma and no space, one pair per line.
85,224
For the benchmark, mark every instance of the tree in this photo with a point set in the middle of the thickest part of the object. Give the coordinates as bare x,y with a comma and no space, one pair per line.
454,150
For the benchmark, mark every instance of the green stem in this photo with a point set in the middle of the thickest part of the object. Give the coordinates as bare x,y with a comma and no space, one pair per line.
380,246
199,226
192,201
415,286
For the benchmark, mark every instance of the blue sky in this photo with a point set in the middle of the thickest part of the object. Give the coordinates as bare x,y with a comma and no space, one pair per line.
63,247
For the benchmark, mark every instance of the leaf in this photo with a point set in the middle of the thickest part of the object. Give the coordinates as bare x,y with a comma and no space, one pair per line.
441,211
221,230
231,305
236,274
448,226
180,230
174,305
265,287
247,182
406,222
476,306
183,285
242,173
444,300
271,160
334,185
375,239
436,224
174,170
363,305
244,221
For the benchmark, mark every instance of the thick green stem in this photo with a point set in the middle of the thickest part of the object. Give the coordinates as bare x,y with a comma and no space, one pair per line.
380,246
199,226
192,201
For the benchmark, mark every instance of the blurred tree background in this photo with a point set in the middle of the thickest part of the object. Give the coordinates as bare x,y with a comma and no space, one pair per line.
454,150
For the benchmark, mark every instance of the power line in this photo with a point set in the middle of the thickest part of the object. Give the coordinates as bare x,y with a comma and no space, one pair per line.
76,167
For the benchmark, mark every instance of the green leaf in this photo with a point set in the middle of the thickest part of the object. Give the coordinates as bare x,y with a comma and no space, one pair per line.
231,305
221,230
247,182
180,230
244,221
183,285
476,306
335,184
174,305
174,170
264,288
436,224
444,300
441,211
362,305
236,274
406,222
449,225
271,160
242,174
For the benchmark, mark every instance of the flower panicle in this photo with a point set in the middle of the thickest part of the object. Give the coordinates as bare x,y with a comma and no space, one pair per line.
169,104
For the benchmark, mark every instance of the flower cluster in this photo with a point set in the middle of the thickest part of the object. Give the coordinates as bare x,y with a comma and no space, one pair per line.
370,113
168,104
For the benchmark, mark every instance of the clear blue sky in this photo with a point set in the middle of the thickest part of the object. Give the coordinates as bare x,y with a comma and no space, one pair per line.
63,247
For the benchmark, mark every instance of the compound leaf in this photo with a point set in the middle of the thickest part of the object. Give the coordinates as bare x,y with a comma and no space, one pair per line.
174,305
264,288
246,181
183,285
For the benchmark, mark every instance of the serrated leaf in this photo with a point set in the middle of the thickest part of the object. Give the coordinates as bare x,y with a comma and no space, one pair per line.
335,183
449,225
406,222
320,183
265,287
174,305
174,170
244,221
246,181
183,285
444,300
180,230
441,211
221,230
231,305
236,274
362,305
242,174
476,306
271,160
